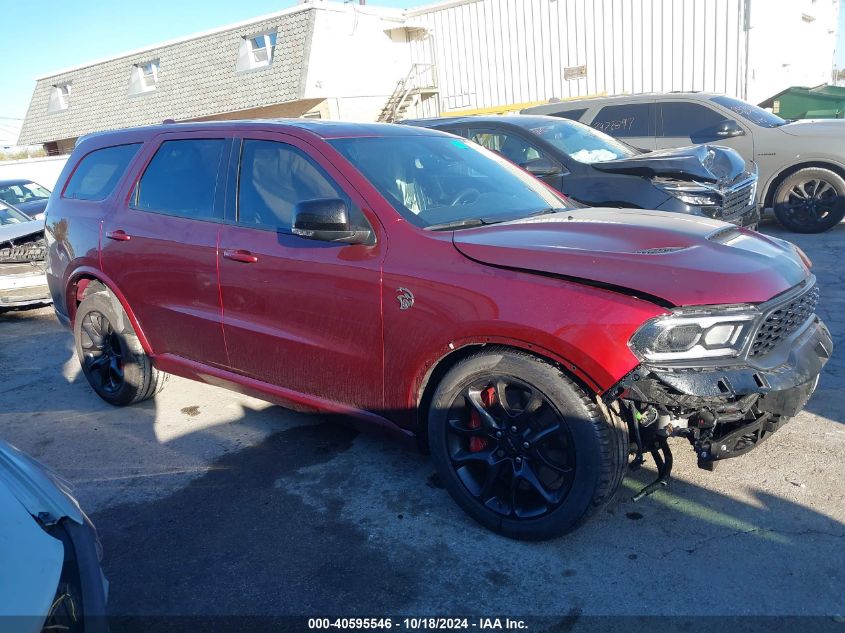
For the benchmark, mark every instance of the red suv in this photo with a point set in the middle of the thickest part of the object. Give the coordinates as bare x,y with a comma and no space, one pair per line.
418,282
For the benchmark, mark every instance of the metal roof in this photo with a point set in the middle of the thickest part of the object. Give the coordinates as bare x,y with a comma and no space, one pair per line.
197,78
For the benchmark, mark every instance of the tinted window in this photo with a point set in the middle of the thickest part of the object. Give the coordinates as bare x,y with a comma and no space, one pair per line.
632,119
582,143
274,177
688,119
97,174
23,192
512,146
8,215
750,112
575,115
435,179
181,178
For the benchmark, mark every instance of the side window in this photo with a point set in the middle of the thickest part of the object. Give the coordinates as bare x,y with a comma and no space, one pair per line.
688,119
98,173
512,146
574,115
181,179
622,121
274,177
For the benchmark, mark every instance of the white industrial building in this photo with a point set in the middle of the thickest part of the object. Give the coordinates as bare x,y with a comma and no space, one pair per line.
344,60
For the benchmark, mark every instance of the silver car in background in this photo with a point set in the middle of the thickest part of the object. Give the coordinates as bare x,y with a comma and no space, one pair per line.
50,576
801,163
22,260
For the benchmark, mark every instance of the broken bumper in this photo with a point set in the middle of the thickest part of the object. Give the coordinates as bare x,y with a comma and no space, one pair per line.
727,411
23,288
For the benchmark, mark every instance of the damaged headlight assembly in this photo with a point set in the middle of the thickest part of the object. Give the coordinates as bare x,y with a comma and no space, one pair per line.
688,335
693,195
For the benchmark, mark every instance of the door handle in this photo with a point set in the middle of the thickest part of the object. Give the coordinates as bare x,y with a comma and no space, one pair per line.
120,235
240,255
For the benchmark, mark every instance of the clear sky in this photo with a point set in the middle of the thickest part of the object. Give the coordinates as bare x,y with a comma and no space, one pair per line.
43,36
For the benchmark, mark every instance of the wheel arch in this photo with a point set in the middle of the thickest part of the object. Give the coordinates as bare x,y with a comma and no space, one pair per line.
432,376
85,280
786,172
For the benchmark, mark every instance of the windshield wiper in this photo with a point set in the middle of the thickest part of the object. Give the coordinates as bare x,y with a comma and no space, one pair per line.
548,211
464,223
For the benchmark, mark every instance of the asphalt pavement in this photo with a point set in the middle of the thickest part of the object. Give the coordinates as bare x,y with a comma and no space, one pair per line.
213,503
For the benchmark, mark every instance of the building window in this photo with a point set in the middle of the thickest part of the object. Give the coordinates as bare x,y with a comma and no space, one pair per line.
256,51
144,78
59,97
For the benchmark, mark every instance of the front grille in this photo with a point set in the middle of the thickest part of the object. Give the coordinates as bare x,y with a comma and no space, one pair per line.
783,321
737,199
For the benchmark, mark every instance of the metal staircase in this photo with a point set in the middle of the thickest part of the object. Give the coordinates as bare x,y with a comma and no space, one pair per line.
418,85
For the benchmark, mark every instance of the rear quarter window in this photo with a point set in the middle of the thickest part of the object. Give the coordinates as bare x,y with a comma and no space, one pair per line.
632,119
98,173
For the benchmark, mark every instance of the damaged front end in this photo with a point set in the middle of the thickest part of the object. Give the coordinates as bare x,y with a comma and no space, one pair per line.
724,377
23,281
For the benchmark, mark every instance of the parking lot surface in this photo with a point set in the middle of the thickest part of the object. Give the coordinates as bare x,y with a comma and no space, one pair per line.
209,502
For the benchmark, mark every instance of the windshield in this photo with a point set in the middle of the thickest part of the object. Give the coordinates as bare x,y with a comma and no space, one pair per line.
749,112
11,216
20,192
434,180
582,143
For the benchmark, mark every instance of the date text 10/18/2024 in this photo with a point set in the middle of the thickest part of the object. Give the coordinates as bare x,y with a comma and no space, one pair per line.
416,624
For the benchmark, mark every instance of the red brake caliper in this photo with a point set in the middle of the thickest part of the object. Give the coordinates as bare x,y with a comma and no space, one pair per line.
488,398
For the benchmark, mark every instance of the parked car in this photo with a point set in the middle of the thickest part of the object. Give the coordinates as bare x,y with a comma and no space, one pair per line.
22,266
599,171
50,577
801,163
420,283
26,196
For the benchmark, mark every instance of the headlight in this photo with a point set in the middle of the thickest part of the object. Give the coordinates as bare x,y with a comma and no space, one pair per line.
694,334
695,199
695,196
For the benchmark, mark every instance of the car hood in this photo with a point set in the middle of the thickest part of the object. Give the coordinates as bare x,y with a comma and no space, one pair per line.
31,566
37,488
17,231
698,162
660,256
815,128
32,208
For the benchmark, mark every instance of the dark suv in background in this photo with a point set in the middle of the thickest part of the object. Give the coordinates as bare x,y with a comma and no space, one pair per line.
801,163
597,170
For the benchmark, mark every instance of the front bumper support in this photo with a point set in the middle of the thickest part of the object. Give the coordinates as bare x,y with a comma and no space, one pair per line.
724,411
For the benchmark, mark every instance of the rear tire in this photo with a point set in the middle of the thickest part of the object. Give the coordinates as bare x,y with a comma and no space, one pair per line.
812,200
112,358
537,466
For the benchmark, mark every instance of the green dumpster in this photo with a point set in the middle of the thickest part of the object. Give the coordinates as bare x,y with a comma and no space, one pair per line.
820,102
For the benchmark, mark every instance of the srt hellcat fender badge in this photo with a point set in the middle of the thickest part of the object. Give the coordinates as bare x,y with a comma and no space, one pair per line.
405,298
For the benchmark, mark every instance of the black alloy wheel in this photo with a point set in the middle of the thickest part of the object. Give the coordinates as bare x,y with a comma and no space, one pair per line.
521,446
112,357
102,352
510,448
811,200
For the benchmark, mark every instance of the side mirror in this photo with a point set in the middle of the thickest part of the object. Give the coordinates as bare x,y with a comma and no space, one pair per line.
326,220
729,128
541,167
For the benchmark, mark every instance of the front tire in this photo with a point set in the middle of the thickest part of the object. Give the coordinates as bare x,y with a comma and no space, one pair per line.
812,200
111,356
521,447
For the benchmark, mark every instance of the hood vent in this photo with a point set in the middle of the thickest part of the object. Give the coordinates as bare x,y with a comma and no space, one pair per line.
659,250
725,235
